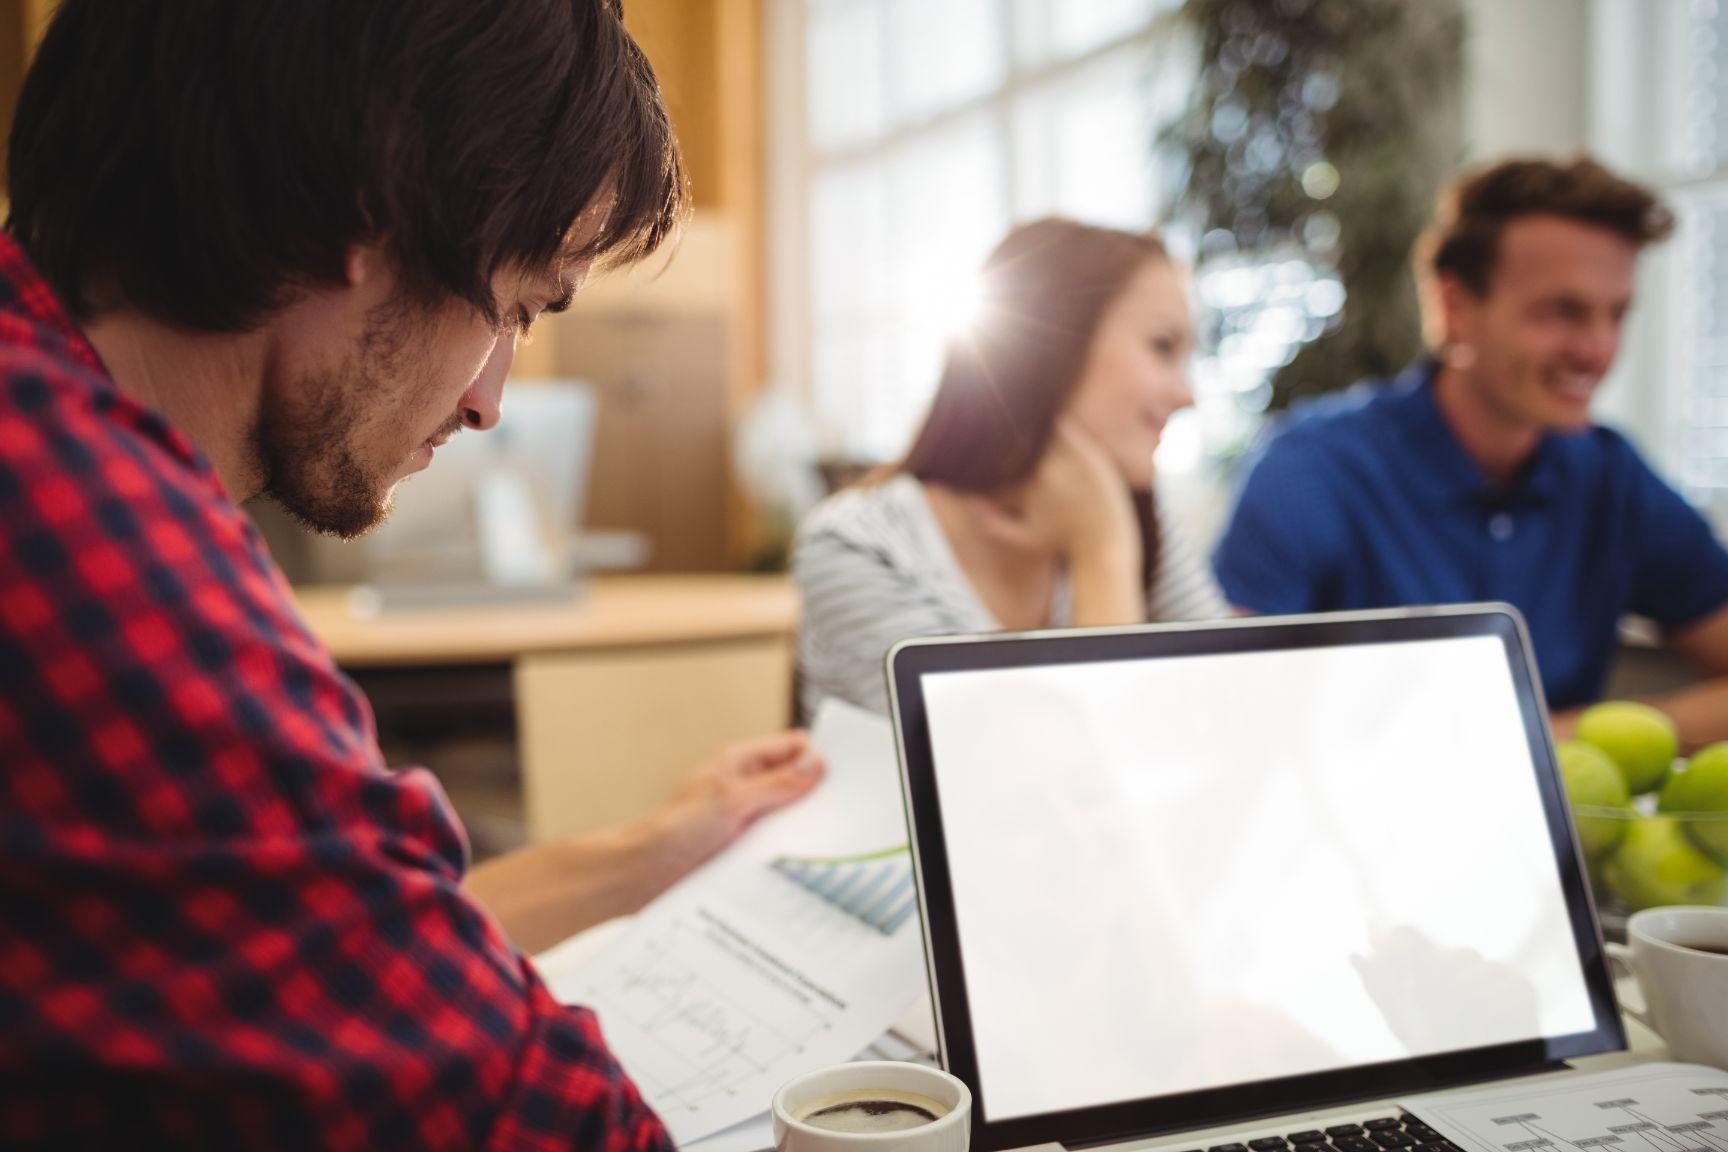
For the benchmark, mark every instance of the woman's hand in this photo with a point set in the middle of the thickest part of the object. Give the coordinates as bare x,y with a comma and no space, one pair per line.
1077,507
1076,504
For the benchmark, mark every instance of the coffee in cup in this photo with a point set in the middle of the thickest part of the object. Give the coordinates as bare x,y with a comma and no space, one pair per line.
864,1110
1712,949
880,1105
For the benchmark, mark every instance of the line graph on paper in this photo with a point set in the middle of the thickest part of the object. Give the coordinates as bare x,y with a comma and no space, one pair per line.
874,888
695,1030
710,1006
791,950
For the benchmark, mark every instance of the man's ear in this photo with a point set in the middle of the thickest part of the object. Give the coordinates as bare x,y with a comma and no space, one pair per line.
1456,307
364,265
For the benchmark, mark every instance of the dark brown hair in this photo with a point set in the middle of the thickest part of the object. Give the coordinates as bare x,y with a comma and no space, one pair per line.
203,159
1464,240
1006,381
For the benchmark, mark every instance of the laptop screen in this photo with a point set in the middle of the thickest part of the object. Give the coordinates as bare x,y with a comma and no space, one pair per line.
1203,870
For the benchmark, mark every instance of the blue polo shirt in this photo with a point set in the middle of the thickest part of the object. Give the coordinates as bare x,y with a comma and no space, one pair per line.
1367,500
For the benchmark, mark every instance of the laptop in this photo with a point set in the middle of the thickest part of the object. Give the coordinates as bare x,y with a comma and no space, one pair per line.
1189,877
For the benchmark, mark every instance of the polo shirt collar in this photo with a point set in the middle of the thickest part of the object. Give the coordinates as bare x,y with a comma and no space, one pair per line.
1442,473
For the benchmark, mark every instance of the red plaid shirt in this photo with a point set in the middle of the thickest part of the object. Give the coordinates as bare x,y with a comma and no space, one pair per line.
223,922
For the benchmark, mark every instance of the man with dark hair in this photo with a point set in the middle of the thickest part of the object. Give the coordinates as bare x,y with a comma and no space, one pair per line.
287,247
1478,474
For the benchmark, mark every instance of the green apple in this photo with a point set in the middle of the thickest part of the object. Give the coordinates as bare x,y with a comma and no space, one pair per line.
1701,789
1640,740
1657,864
1592,781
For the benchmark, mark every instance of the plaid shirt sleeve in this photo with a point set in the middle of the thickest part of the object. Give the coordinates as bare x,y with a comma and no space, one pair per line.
223,923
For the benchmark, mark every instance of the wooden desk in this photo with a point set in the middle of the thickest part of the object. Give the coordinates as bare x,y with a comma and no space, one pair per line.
618,694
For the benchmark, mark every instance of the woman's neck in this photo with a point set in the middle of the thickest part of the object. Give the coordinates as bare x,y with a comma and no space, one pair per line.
1017,584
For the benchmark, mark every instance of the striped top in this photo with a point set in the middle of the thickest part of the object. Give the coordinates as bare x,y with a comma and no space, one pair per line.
875,568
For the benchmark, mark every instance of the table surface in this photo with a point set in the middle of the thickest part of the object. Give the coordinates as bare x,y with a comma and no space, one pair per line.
916,1032
612,612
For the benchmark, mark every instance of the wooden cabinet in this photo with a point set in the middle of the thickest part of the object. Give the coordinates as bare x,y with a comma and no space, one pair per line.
618,695
607,736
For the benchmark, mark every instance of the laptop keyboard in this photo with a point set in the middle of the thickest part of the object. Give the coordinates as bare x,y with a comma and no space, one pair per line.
1381,1134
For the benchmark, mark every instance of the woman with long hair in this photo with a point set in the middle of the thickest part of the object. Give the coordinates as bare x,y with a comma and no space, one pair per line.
1026,500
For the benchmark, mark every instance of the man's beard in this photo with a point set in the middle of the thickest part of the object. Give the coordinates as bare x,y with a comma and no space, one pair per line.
305,441
312,472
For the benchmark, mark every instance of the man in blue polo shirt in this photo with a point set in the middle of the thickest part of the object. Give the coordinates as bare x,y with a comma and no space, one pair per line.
1478,473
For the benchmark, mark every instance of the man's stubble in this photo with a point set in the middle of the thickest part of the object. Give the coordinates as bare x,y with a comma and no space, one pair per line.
312,435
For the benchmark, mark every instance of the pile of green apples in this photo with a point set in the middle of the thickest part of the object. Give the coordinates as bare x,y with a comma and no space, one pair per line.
1654,828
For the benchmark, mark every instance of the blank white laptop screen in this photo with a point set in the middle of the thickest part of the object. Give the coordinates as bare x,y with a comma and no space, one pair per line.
1200,871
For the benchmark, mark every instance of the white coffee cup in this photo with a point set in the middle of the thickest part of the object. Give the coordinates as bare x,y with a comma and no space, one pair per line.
950,1132
1680,956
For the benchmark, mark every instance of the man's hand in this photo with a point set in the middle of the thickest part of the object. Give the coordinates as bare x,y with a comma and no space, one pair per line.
731,792
546,892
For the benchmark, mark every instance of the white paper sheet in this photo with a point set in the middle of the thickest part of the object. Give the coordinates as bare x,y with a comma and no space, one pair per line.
794,949
753,1135
1644,1108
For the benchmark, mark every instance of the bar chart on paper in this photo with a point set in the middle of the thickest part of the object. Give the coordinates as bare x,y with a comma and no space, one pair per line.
874,888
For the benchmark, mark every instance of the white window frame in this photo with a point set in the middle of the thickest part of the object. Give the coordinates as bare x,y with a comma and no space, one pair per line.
1637,125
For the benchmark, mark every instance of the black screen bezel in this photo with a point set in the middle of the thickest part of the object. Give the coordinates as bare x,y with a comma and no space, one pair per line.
908,663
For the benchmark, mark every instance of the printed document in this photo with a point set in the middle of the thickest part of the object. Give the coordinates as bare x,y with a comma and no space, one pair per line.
794,949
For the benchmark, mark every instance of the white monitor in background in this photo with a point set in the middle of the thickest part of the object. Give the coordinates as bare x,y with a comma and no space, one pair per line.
498,513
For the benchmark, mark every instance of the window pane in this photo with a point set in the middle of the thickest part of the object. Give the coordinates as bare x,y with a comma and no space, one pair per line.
948,208
849,243
843,72
1083,144
852,390
1706,113
894,243
943,53
1703,245
1049,31
850,329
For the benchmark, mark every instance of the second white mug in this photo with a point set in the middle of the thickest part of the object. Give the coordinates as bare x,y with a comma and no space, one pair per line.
1680,956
